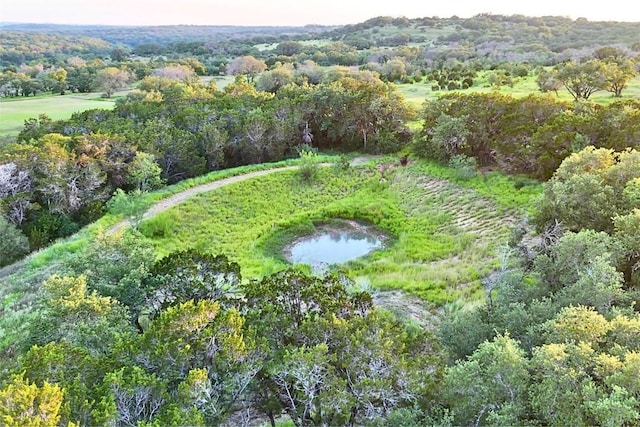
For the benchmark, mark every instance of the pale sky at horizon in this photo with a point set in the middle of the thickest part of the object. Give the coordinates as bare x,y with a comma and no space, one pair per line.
291,12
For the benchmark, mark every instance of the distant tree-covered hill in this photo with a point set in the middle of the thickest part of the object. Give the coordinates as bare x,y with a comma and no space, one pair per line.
495,38
19,46
507,38
133,36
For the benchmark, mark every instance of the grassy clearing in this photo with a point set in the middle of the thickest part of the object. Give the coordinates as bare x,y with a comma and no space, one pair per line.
315,42
452,236
65,248
14,111
417,93
445,235
231,220
221,81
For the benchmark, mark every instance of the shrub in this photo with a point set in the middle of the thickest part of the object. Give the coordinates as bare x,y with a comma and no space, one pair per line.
447,138
342,164
13,244
44,227
132,205
305,148
162,225
308,165
464,166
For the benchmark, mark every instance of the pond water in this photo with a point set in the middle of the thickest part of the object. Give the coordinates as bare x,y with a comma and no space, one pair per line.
333,247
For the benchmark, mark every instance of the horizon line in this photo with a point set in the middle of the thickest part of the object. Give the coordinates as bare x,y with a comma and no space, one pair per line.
3,23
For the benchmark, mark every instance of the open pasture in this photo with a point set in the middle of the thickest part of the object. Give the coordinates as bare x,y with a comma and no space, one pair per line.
14,111
417,93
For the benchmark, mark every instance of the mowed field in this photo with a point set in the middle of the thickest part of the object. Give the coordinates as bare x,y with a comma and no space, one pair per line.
14,111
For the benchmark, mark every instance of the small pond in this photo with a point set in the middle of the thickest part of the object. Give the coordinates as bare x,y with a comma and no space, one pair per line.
334,244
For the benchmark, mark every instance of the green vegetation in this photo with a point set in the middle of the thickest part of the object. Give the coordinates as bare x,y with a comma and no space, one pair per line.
553,313
564,316
417,93
20,282
530,135
423,239
170,130
157,292
14,112
443,233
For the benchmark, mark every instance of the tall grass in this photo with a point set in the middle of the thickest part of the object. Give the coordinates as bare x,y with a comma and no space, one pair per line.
429,254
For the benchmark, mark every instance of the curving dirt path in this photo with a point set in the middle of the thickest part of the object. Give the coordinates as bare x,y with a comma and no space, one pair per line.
180,197
159,207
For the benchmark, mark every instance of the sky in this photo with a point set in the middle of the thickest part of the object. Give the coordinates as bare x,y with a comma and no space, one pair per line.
296,12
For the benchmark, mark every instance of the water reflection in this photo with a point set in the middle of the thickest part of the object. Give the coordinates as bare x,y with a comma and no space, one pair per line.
333,247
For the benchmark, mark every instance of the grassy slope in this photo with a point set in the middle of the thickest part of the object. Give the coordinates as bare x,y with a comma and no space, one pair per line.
20,282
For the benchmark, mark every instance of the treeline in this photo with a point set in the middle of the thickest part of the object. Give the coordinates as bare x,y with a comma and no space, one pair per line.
77,75
58,175
52,45
65,62
125,340
132,36
530,135
22,47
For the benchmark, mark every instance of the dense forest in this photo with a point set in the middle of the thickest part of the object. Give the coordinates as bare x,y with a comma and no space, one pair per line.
110,326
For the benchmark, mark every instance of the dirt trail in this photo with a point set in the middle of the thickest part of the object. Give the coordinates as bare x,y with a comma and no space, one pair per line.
180,197
162,206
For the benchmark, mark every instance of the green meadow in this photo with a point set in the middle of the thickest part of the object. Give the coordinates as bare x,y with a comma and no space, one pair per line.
14,111
417,93
445,234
